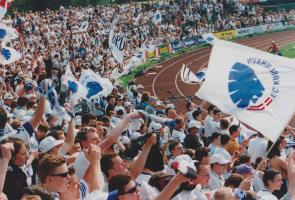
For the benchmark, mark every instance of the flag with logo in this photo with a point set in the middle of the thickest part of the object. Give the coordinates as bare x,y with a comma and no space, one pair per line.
9,55
209,38
77,89
95,84
157,18
256,87
189,77
117,44
7,33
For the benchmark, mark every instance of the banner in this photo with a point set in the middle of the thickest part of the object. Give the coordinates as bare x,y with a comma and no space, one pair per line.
226,35
189,41
254,86
176,45
209,38
117,44
244,31
163,48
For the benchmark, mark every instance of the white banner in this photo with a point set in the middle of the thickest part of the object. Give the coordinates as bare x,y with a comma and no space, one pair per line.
117,44
254,86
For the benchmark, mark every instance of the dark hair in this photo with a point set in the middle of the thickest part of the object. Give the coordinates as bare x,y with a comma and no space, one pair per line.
107,163
22,101
119,182
224,139
43,127
216,111
275,151
245,158
234,180
224,123
110,97
17,144
3,118
86,118
196,113
40,191
257,162
172,145
188,104
201,153
82,135
56,134
269,175
145,97
233,128
160,180
215,135
210,108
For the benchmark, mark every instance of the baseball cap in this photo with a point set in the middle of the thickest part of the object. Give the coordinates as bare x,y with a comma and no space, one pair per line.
7,96
217,158
193,124
140,87
49,143
171,106
187,160
127,103
245,169
154,126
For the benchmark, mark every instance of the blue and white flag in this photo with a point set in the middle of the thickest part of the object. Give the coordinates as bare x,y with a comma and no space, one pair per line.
254,86
95,84
157,18
189,77
117,44
7,33
76,88
9,55
210,38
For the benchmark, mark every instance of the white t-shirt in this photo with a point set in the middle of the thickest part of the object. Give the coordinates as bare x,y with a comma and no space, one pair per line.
222,151
178,135
81,165
143,178
257,147
265,195
257,181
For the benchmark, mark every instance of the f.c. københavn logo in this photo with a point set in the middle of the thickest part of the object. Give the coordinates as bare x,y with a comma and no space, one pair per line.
247,90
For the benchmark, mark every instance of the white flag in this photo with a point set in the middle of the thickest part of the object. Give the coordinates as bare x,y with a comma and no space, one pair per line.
210,38
84,26
187,76
157,18
95,84
9,55
255,87
117,44
7,33
77,89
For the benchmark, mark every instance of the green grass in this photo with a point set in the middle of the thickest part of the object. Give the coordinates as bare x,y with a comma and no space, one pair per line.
288,50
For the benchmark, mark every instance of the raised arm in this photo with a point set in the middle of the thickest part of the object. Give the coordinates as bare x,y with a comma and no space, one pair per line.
70,139
140,161
116,132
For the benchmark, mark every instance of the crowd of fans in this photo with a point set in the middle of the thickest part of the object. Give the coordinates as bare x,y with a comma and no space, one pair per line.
128,145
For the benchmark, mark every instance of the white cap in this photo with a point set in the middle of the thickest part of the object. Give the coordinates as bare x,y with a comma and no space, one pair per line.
140,87
7,96
186,160
170,105
159,103
127,103
49,143
154,127
124,139
193,124
217,158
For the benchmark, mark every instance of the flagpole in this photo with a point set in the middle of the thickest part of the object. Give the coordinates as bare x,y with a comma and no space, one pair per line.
270,148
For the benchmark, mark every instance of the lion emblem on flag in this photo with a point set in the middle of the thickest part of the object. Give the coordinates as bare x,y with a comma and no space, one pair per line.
244,86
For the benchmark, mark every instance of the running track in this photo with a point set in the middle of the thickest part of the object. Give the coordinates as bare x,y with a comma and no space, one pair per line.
164,82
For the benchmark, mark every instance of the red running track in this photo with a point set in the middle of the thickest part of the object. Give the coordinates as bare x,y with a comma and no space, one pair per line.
164,82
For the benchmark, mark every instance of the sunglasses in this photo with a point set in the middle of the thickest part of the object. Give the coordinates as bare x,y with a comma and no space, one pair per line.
65,174
132,190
